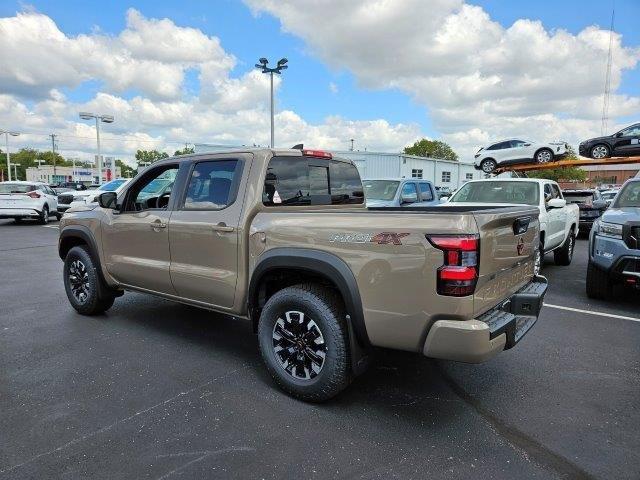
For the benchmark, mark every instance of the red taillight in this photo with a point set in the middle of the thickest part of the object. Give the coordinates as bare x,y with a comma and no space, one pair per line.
459,274
33,194
317,154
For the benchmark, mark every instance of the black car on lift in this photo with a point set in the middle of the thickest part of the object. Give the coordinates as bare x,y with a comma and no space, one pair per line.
624,143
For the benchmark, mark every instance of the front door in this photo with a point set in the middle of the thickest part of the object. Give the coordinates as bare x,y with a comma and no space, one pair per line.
135,238
628,143
203,231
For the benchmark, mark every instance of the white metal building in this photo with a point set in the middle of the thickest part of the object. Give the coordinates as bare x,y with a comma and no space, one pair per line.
443,173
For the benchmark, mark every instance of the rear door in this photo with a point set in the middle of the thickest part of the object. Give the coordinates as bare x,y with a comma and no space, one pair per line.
506,258
557,219
204,230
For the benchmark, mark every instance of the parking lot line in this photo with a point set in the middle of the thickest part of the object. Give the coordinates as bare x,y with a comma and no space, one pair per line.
51,226
589,312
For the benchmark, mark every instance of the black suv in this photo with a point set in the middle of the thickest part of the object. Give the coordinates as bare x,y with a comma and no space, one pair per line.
625,143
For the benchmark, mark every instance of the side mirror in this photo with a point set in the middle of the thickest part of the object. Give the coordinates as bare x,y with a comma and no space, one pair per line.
557,203
108,200
619,134
600,204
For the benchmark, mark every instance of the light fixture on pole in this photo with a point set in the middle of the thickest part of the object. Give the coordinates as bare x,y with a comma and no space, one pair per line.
6,142
262,65
99,118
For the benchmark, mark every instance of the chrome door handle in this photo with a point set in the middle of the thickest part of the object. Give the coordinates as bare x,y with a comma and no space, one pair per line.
222,227
155,225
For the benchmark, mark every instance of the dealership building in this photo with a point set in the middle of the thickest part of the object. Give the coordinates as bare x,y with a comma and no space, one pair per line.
443,173
86,175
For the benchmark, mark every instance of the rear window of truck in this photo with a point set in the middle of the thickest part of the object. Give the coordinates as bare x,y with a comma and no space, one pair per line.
521,193
311,181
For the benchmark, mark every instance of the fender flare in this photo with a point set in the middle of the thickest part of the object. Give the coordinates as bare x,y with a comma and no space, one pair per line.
328,266
82,232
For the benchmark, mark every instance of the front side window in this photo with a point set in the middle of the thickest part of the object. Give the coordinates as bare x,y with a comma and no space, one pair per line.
425,192
145,194
211,184
446,177
632,131
300,181
522,193
409,192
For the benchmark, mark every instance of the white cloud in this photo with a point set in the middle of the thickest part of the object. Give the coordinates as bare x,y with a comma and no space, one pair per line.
151,58
479,79
333,88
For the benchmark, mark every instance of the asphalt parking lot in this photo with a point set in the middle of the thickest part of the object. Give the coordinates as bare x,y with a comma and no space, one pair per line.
154,389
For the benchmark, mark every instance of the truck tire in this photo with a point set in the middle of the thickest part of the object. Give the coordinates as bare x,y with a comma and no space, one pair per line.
304,342
598,283
564,254
538,259
83,285
44,215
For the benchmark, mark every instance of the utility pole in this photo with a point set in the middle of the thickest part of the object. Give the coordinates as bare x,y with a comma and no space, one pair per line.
607,81
53,149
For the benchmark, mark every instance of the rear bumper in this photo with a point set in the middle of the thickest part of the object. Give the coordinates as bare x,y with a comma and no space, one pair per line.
477,340
19,212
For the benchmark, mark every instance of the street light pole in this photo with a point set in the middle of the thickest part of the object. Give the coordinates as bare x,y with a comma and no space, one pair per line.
99,118
262,65
6,142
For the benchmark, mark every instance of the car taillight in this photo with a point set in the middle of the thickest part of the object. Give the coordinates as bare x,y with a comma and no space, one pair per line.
459,274
33,194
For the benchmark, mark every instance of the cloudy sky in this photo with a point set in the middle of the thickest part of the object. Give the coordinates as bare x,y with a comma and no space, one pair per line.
383,72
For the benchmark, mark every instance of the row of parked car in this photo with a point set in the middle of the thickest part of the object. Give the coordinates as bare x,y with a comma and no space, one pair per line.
513,151
611,219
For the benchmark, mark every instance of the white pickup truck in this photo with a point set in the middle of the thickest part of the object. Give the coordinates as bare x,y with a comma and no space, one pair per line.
558,220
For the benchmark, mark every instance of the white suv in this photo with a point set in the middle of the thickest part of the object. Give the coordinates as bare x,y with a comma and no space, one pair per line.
512,151
19,200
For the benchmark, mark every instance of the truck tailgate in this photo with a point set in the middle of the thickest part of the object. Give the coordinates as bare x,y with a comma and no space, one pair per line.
506,256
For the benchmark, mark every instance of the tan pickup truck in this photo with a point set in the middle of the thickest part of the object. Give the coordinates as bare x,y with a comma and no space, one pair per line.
283,238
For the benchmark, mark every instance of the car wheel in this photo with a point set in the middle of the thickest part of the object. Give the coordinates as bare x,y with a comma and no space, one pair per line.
58,216
544,156
83,285
44,216
600,151
488,165
538,259
304,342
564,254
598,283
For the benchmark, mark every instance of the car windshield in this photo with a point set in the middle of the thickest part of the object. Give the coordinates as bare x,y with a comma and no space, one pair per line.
112,185
156,186
521,193
16,188
609,195
380,189
629,196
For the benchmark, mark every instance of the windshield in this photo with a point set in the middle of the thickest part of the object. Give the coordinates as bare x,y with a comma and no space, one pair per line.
629,196
16,188
380,189
521,193
609,195
156,186
112,185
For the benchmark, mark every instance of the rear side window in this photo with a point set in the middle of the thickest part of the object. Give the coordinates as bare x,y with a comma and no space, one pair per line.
425,192
212,184
301,181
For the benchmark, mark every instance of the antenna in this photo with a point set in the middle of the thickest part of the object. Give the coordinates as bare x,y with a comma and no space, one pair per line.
607,81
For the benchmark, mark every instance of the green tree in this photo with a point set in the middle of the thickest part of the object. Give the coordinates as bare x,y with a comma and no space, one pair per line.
26,157
125,170
185,151
150,156
432,149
